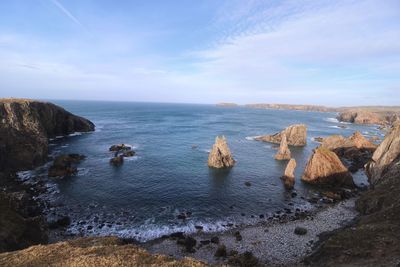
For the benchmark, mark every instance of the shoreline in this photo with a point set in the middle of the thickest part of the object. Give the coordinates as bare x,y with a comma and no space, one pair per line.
272,243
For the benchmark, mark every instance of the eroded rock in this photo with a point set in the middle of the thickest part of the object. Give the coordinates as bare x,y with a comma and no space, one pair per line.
284,151
65,165
325,168
296,135
220,155
288,178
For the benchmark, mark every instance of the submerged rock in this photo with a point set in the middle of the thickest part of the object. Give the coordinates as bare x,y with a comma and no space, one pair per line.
284,151
288,177
117,161
325,168
300,231
296,135
220,155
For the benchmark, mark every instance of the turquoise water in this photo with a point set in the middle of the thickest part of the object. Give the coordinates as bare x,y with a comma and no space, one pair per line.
142,198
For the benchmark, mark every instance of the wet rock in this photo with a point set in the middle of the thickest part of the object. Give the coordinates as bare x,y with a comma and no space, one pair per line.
120,147
288,177
247,184
117,161
221,252
325,168
130,153
177,235
64,165
296,136
205,242
198,227
300,231
220,155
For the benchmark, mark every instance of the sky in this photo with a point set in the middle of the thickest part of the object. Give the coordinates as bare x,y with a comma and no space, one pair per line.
334,53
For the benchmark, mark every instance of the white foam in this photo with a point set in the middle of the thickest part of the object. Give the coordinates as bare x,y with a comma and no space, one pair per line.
331,120
75,134
25,175
251,138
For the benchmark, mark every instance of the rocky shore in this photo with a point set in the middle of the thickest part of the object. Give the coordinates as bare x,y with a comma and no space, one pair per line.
331,235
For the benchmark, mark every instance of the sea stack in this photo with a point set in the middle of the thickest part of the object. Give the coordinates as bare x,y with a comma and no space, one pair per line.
288,177
296,135
283,152
325,168
220,155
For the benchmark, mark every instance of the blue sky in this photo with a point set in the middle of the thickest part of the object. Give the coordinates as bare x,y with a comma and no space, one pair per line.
344,52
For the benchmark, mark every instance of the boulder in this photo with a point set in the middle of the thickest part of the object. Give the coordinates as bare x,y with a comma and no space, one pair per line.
64,165
283,152
129,153
120,147
117,160
220,155
325,168
386,158
288,177
296,135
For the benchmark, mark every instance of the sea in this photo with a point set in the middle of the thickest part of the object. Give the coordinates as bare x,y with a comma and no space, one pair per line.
169,175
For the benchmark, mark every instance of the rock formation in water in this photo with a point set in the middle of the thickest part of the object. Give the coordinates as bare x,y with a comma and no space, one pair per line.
356,149
91,251
26,125
64,165
283,152
220,155
325,168
361,117
121,151
288,178
374,239
296,136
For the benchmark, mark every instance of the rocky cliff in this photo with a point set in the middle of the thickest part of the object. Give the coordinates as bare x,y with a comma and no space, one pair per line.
26,125
374,240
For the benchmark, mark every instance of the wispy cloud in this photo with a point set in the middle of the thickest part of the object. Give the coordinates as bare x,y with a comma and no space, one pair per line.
66,12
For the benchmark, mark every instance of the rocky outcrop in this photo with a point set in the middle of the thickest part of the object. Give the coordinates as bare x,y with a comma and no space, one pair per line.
356,149
386,159
292,107
361,117
120,147
283,152
26,125
296,136
121,151
288,178
374,240
220,155
64,165
95,251
21,223
325,168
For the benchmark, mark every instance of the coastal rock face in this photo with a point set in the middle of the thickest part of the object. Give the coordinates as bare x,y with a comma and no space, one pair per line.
325,168
360,117
26,125
220,155
386,158
95,251
283,152
296,135
356,149
374,240
288,177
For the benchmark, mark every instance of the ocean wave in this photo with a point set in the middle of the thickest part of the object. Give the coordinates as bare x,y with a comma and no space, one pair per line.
76,134
331,120
251,138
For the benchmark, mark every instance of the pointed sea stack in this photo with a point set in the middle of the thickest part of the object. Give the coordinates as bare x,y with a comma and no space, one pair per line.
325,168
283,152
220,155
288,178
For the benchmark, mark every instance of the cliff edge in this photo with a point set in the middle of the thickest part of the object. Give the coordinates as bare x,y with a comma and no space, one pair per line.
26,125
